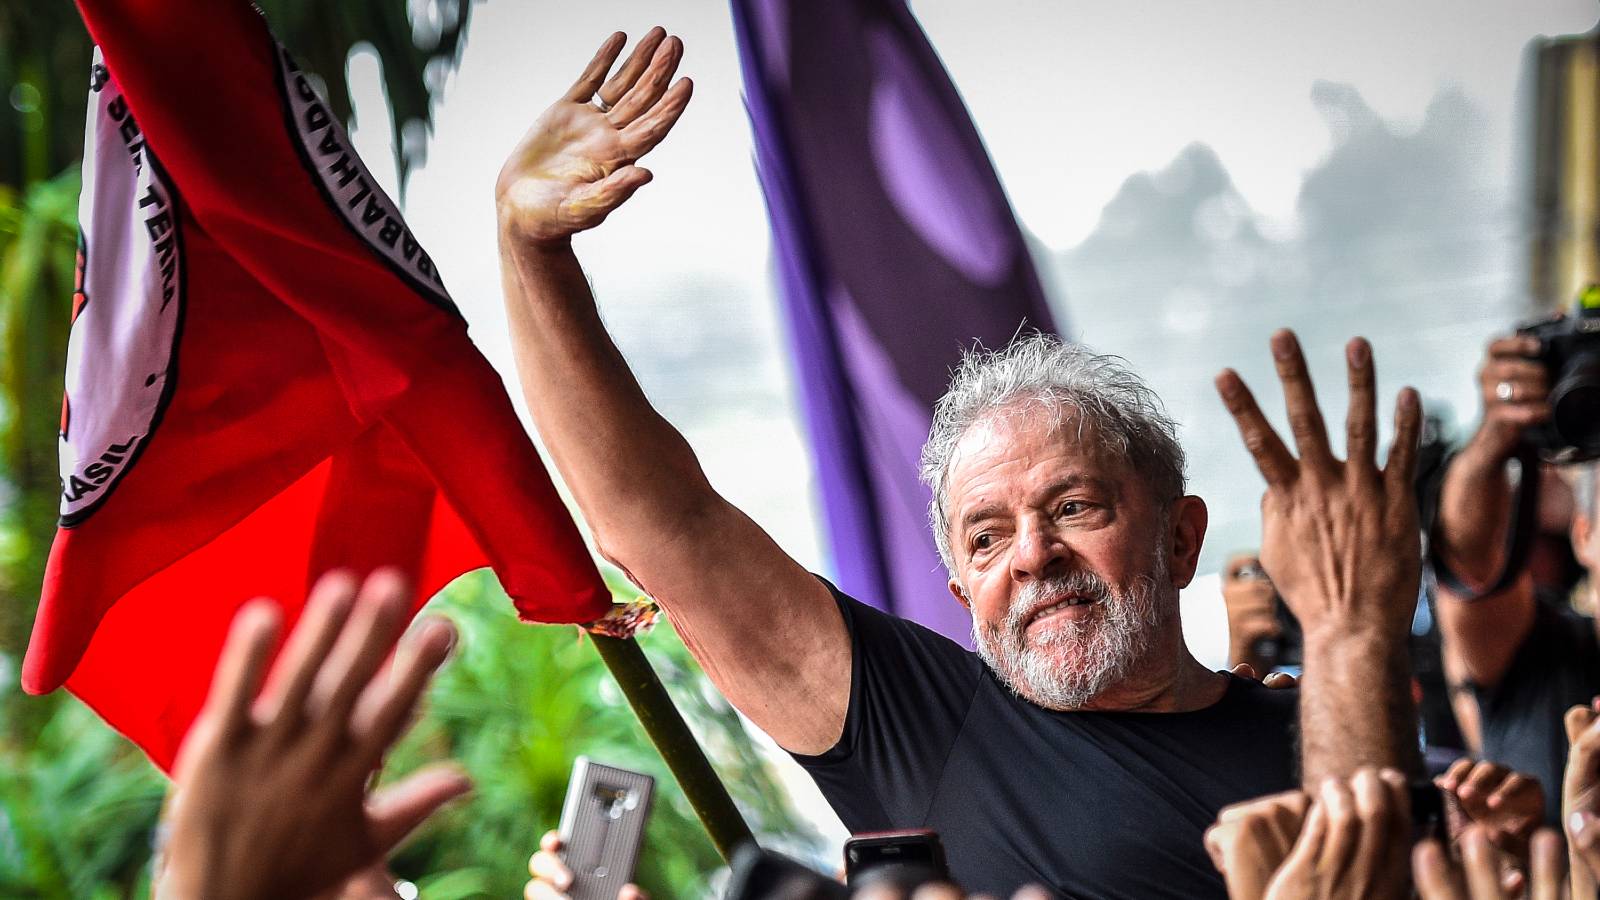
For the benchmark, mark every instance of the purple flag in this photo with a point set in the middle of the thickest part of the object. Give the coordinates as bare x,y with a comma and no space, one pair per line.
896,248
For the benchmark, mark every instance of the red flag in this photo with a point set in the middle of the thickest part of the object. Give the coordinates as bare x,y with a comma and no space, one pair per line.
266,379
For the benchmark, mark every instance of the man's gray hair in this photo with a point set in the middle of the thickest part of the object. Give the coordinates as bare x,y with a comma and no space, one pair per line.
1104,395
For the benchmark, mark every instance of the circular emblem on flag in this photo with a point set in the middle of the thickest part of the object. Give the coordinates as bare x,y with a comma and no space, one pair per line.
126,308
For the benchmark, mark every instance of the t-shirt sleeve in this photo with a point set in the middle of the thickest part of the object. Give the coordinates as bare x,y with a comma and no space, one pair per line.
910,691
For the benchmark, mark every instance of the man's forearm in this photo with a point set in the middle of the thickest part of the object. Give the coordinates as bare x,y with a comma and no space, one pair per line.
1356,708
630,469
1474,514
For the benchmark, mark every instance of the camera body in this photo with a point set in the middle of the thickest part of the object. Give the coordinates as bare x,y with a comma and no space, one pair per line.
1569,349
1284,651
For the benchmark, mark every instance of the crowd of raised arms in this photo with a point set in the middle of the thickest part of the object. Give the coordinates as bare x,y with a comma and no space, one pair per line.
1436,736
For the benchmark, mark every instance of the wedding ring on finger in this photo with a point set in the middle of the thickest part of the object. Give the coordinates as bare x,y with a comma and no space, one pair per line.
599,102
1505,391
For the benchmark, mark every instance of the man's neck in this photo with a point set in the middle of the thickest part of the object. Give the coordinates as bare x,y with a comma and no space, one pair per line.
1168,679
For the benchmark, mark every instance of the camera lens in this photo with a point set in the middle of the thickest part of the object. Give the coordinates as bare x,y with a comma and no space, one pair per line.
1575,405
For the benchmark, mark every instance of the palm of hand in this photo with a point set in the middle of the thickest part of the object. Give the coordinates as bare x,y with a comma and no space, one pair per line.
576,164
297,805
543,186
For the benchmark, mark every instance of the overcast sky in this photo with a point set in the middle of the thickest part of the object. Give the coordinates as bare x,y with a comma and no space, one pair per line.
1071,97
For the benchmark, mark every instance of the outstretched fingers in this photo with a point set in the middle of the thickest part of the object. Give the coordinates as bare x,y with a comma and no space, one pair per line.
1361,423
651,86
1276,463
371,632
242,666
386,709
644,133
1481,861
324,617
1436,878
1401,468
1300,398
398,809
625,78
1547,874
595,72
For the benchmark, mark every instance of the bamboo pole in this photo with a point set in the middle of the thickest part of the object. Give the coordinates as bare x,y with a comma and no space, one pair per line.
676,743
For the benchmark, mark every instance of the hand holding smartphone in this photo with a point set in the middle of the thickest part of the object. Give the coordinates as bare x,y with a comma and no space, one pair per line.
602,827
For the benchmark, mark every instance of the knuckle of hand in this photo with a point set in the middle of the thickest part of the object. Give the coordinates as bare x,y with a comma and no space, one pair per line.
1305,424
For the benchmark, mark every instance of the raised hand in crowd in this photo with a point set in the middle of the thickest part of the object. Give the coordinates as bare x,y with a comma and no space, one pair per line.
1580,797
1251,840
1505,806
552,878
271,793
1340,542
1347,840
1481,873
1274,680
1475,500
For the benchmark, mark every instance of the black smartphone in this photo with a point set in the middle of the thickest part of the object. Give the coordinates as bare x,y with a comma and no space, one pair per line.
602,827
916,854
763,875
1429,816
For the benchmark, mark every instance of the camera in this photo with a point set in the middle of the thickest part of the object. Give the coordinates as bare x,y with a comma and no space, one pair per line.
1569,348
1284,651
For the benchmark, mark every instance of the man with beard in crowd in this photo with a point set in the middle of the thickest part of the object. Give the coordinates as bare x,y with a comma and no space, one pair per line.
1082,747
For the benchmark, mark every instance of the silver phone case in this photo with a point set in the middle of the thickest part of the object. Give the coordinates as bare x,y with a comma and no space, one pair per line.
602,827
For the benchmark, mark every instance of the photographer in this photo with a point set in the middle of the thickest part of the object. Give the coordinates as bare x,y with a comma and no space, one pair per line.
1262,633
1524,654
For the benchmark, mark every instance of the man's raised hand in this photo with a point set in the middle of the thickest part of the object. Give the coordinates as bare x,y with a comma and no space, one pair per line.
577,163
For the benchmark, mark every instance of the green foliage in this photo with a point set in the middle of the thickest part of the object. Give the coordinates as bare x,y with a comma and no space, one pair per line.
44,78
78,807
38,255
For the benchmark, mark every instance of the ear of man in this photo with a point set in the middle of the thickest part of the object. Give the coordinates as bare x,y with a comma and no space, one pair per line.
959,593
1187,517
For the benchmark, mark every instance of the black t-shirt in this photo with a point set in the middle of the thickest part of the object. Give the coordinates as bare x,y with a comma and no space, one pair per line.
1087,804
1557,667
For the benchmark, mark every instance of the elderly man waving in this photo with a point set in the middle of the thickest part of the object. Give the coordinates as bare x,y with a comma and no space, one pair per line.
1082,747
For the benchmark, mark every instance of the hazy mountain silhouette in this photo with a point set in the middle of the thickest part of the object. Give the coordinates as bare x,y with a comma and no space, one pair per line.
1402,235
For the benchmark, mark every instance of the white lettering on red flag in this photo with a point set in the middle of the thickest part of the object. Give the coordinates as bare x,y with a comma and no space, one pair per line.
127,307
350,188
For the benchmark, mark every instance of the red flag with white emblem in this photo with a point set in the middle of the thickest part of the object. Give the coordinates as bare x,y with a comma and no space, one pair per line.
266,379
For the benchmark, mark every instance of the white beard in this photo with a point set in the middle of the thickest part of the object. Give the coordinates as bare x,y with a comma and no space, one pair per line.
1074,661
